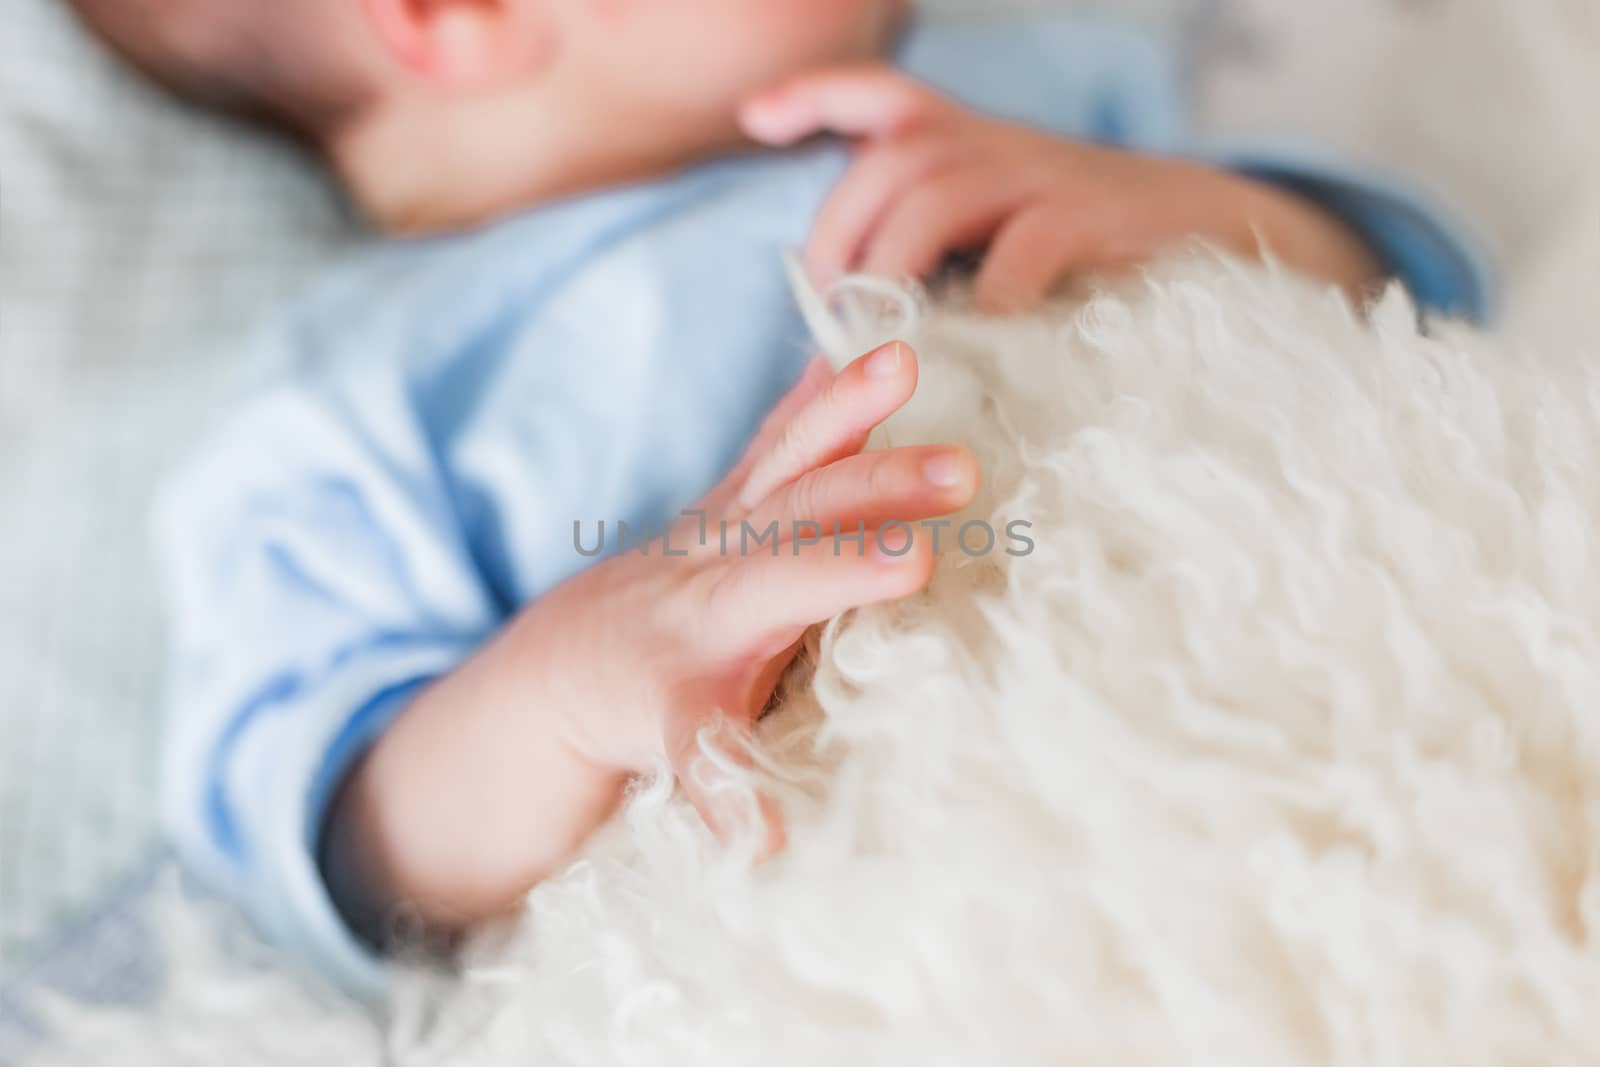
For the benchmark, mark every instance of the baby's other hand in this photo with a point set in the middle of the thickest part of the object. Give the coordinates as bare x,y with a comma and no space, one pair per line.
932,178
704,636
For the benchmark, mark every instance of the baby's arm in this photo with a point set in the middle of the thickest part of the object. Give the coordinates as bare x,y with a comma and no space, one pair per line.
933,178
494,775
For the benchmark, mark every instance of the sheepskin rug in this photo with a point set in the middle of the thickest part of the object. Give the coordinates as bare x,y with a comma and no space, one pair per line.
1282,746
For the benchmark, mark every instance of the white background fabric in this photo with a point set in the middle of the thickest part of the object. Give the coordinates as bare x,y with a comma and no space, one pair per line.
136,241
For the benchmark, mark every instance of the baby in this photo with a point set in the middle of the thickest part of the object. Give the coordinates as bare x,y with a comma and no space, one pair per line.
401,680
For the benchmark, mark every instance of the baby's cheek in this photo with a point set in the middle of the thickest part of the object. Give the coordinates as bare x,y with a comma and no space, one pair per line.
823,31
737,47
614,13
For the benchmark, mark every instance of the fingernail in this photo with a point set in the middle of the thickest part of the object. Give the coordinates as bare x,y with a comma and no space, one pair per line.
885,361
943,470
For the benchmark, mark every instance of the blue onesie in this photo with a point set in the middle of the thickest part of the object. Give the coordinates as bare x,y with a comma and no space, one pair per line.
446,409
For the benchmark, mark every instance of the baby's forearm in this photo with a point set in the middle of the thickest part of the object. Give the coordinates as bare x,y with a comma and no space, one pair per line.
475,794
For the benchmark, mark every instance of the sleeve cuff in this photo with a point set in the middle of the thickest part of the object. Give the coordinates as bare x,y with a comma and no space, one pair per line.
277,775
1419,240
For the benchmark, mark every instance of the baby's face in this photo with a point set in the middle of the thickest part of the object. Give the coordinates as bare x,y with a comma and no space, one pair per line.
612,90
708,55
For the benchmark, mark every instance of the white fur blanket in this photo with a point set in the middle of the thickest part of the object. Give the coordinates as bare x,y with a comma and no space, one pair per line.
1281,748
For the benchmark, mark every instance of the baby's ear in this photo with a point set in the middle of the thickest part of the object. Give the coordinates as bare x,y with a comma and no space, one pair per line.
466,42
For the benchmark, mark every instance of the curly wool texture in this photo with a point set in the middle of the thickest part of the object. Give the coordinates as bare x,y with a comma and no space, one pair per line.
1280,748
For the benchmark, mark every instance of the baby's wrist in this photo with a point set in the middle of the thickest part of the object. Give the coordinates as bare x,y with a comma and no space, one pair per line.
1309,238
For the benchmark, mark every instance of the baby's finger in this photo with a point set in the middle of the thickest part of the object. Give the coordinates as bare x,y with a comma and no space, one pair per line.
880,173
835,422
769,590
1033,252
709,756
817,375
951,212
903,484
863,101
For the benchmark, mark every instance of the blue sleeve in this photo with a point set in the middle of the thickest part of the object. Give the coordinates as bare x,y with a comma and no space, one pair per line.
447,410
1418,239
318,578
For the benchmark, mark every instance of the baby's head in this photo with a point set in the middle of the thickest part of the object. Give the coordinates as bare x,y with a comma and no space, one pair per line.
448,112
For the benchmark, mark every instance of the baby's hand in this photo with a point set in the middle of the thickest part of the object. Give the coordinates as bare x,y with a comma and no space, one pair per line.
933,178
495,774
702,638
